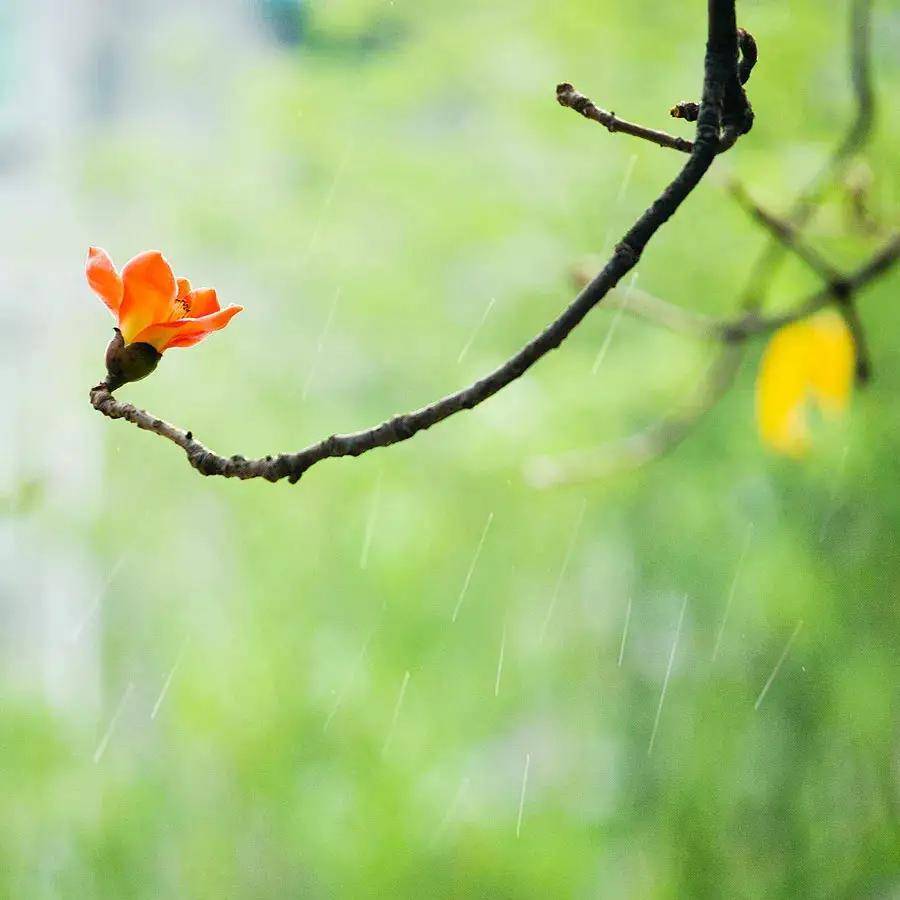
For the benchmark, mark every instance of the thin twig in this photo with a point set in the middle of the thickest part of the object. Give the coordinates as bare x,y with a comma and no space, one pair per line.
689,109
662,436
848,309
838,289
642,305
669,431
785,232
675,318
752,323
857,135
568,96
720,110
735,329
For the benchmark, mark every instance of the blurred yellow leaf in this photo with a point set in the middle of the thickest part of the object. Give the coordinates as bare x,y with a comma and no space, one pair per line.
807,363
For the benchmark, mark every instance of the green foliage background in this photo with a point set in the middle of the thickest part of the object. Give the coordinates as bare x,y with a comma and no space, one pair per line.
398,192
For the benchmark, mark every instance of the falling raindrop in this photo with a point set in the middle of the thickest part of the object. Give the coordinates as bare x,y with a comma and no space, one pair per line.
476,331
104,741
779,664
168,681
465,587
607,340
731,592
522,794
665,686
562,571
320,344
396,716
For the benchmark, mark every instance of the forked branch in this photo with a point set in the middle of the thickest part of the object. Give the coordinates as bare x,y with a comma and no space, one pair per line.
785,237
737,120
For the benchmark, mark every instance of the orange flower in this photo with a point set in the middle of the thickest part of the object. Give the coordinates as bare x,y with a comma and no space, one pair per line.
807,362
151,306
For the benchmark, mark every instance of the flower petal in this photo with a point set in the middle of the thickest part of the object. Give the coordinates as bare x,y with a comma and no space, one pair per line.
781,390
149,296
203,302
103,278
186,332
808,361
831,378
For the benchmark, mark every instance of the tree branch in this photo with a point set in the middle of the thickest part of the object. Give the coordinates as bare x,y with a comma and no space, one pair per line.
857,135
733,330
689,110
752,324
786,233
721,109
568,96
642,447
641,305
838,289
665,434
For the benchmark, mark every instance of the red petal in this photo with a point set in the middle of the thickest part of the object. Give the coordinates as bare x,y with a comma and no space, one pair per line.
203,303
103,278
186,332
149,295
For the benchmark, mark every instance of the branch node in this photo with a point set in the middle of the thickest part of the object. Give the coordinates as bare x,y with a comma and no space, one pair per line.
841,289
686,109
749,54
628,253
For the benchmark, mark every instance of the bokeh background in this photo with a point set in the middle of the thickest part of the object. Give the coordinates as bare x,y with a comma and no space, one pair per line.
212,688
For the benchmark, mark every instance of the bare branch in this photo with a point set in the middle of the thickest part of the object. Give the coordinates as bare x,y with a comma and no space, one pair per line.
860,342
720,110
751,324
642,447
857,135
625,453
568,96
837,285
733,330
668,432
860,211
675,318
737,120
786,233
749,54
642,305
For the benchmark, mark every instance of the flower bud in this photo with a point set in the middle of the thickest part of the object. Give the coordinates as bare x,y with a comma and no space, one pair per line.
128,362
